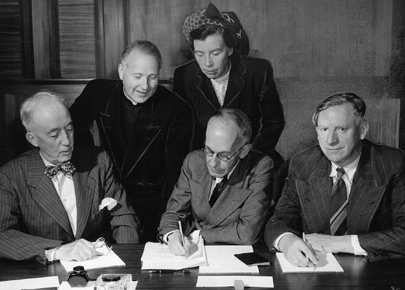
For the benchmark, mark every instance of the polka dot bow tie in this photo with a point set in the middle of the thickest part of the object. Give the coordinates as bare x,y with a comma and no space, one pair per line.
66,168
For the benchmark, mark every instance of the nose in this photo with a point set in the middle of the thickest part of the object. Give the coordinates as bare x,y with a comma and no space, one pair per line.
145,83
332,138
66,138
208,61
214,161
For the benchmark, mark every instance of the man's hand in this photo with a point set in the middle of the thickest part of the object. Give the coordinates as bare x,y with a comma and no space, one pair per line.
331,244
178,246
297,252
80,250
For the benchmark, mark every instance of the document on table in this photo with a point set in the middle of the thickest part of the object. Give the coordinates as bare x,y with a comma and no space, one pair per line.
157,256
221,260
45,282
327,263
226,281
109,260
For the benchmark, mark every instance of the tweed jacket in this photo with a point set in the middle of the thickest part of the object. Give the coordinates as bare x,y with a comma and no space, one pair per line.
376,205
154,155
32,217
238,215
251,89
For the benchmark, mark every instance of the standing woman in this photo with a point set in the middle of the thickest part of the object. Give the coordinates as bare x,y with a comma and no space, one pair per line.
220,77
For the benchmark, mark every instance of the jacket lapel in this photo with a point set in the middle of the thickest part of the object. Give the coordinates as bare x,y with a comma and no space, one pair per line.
236,82
366,194
204,89
233,195
45,194
126,158
315,196
143,136
84,185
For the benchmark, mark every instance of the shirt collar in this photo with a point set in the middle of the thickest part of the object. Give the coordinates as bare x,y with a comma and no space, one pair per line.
218,179
350,169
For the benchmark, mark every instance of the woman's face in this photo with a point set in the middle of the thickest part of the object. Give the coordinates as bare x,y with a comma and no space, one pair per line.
213,55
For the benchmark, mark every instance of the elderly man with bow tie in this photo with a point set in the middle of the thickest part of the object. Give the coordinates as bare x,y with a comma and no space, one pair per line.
56,200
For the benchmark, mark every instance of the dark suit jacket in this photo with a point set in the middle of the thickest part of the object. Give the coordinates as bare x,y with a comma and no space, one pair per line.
32,217
376,208
240,211
154,155
251,89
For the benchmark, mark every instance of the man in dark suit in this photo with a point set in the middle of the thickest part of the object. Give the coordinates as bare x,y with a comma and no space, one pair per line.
346,194
54,199
224,191
145,128
220,77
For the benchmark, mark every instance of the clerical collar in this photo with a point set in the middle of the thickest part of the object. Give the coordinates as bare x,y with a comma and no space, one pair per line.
132,101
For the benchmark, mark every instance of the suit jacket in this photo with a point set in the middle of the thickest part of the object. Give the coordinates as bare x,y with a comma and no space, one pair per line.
376,206
152,159
251,89
32,217
239,213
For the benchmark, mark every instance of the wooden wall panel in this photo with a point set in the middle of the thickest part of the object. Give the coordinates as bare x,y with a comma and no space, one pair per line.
301,38
45,39
77,39
10,39
114,35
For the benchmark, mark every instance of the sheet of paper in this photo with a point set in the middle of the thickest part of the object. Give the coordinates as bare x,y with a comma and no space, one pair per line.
221,259
45,282
327,263
226,281
110,260
158,256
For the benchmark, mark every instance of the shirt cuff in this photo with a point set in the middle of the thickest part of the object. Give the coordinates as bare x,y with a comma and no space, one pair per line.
50,254
165,236
277,241
358,250
194,236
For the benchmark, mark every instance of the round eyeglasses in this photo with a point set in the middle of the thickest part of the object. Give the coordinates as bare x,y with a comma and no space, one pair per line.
221,155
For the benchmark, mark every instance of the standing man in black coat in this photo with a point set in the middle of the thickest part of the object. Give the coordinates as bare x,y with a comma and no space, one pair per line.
145,128
220,77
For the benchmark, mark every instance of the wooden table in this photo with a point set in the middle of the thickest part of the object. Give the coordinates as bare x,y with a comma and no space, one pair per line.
358,273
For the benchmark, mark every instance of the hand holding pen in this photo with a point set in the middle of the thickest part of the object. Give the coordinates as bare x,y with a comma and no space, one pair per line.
184,240
310,262
178,244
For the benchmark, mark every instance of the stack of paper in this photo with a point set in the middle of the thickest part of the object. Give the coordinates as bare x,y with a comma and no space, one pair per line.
157,256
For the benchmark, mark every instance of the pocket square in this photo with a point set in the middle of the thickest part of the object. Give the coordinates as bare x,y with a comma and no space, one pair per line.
108,202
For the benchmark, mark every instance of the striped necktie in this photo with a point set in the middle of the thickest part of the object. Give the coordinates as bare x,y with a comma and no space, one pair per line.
338,205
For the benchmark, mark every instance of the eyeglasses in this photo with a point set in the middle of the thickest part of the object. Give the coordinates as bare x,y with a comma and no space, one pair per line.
221,155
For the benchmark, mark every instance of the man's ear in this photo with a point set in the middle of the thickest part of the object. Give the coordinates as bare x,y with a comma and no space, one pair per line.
32,139
245,150
364,129
121,70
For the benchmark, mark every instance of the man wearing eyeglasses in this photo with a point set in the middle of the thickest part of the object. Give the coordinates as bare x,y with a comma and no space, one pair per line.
223,192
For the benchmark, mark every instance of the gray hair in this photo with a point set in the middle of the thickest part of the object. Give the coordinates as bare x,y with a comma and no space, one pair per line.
144,46
239,118
358,104
30,105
